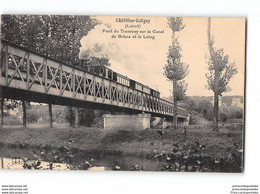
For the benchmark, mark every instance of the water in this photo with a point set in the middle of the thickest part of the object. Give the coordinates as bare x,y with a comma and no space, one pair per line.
102,163
121,164
21,163
24,163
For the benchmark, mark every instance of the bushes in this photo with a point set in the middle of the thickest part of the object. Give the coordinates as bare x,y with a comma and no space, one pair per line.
12,120
194,120
32,116
234,126
206,108
228,113
203,108
87,117
223,116
194,159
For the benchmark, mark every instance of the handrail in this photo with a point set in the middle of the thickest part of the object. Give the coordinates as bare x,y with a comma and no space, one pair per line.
160,100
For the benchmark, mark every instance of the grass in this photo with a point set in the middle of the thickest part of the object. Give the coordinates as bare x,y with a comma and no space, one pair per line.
128,142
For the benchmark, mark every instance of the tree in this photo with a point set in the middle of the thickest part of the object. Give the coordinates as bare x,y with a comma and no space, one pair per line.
87,117
57,36
32,116
175,70
11,104
220,71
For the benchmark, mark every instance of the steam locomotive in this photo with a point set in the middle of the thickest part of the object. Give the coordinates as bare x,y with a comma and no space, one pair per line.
103,71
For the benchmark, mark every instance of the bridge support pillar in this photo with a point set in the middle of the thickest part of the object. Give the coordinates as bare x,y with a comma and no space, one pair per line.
76,117
140,121
2,111
24,113
50,115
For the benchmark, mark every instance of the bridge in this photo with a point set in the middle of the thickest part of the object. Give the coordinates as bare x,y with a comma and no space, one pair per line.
30,76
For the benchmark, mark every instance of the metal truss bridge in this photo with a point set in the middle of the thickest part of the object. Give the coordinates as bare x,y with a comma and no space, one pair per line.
30,76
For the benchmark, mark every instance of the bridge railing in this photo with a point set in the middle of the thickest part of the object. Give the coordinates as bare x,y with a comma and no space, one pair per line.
27,70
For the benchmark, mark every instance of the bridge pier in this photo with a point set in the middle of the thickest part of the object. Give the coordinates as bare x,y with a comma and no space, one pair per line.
140,121
77,117
50,115
24,113
2,111
37,81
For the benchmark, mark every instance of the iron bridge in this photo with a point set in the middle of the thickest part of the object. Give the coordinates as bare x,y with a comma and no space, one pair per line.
31,76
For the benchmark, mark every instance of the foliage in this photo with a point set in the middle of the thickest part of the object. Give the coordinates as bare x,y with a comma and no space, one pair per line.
194,120
175,70
12,120
10,104
219,75
57,36
32,116
87,117
190,104
202,107
205,108
121,147
70,115
56,157
194,159
223,116
226,72
175,23
229,113
181,90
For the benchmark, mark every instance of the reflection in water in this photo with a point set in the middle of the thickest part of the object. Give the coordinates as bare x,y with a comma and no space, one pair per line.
100,165
68,158
24,163
48,159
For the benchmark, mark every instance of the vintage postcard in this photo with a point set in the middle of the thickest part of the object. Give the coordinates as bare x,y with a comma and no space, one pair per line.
124,93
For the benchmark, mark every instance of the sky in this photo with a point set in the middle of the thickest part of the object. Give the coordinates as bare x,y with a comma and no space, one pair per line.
143,59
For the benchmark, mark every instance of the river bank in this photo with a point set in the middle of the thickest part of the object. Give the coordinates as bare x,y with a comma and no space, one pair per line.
155,149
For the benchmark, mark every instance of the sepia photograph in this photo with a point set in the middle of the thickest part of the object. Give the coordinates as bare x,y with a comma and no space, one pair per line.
122,93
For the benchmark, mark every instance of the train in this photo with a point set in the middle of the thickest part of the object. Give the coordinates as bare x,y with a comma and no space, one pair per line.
105,72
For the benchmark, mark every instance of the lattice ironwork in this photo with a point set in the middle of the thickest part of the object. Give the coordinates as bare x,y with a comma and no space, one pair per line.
27,70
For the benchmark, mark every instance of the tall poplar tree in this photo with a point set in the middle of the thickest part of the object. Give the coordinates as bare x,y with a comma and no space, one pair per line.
220,71
175,70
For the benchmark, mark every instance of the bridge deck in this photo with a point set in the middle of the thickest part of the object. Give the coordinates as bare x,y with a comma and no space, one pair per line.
33,76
